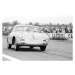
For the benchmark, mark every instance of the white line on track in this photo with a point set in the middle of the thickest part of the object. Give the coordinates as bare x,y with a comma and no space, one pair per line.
10,58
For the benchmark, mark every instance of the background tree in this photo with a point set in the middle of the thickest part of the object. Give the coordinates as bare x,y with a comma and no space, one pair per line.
5,24
36,24
15,23
50,24
71,25
30,23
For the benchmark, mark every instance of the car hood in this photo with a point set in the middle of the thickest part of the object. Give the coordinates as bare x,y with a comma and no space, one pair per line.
33,36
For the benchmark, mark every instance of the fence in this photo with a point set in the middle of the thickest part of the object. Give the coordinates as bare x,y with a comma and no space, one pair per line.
61,35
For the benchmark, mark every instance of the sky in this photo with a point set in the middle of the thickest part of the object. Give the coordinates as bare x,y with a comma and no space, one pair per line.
41,19
42,11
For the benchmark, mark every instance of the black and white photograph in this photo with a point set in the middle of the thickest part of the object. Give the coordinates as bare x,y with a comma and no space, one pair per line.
44,38
37,37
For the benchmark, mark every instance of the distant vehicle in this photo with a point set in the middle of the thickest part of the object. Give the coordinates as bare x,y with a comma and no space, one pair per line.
27,35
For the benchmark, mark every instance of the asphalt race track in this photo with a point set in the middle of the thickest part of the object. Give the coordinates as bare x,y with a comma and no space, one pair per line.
57,50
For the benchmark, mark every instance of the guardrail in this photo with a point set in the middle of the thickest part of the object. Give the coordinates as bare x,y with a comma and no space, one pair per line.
60,35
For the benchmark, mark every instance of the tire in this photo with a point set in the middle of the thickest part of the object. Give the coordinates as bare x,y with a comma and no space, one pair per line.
42,48
16,47
9,46
31,47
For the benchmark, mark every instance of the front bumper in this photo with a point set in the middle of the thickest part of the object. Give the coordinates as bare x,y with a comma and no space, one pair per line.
23,43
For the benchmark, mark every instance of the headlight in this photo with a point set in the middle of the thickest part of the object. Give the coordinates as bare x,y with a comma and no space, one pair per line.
46,40
21,38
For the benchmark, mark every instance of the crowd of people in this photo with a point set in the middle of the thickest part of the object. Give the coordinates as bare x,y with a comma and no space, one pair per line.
45,28
58,30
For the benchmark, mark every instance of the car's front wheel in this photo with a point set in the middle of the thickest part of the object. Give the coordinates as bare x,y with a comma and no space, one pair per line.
42,48
9,46
31,47
16,47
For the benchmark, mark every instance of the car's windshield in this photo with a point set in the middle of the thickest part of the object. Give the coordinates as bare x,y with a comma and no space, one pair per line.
27,28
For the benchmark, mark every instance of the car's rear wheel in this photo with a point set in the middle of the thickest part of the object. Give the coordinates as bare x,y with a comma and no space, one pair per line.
42,48
8,45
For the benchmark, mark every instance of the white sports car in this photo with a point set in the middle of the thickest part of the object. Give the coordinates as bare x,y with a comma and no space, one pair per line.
27,35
